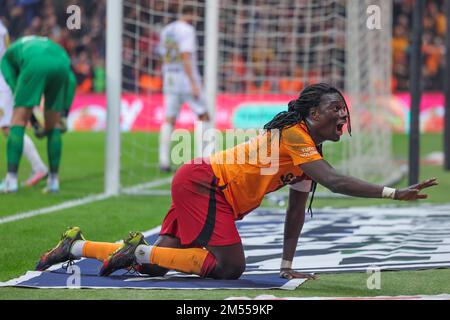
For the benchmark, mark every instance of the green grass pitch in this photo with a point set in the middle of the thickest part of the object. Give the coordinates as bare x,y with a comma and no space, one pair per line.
82,167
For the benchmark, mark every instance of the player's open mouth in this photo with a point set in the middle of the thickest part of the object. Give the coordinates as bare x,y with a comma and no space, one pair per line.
340,129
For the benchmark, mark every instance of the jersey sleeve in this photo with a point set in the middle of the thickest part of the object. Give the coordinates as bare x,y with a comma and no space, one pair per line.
299,145
187,41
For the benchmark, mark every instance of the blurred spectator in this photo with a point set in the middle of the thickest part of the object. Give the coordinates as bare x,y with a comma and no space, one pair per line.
83,72
129,69
234,70
99,81
258,83
292,84
150,82
433,48
400,44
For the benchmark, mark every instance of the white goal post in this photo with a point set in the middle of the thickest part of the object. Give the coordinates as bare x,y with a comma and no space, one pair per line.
113,92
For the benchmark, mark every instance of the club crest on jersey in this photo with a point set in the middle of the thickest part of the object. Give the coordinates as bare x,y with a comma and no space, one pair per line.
287,179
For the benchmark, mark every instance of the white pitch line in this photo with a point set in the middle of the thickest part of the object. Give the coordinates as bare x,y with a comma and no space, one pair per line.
75,203
149,192
62,206
147,185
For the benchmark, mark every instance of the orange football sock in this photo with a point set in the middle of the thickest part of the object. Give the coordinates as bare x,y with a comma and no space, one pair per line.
193,260
99,250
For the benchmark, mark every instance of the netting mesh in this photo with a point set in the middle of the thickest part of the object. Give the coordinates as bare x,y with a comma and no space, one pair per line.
368,88
269,51
281,46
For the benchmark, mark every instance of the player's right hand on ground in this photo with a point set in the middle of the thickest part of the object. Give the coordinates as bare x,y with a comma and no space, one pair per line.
292,274
412,193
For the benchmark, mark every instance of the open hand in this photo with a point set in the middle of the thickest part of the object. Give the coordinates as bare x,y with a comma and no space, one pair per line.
292,274
412,193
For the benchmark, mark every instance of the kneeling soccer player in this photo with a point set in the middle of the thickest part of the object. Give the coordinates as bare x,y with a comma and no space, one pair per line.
199,235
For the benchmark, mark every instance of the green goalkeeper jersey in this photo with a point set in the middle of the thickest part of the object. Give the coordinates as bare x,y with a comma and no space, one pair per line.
35,66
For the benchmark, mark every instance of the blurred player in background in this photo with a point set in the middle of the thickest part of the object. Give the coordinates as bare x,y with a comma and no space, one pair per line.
38,169
199,235
34,67
181,79
39,130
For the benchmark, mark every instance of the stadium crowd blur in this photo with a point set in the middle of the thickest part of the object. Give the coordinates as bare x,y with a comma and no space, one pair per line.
433,49
142,72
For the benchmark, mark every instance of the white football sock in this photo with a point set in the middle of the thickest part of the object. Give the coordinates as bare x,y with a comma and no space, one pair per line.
164,144
11,176
77,248
143,253
31,153
53,179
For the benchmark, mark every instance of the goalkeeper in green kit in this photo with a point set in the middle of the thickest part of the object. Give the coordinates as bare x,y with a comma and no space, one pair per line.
39,130
34,67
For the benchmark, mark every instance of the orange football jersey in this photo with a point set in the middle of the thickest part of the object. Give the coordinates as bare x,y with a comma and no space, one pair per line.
262,165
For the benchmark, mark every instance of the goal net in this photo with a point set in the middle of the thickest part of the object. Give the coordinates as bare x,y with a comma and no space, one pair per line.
268,51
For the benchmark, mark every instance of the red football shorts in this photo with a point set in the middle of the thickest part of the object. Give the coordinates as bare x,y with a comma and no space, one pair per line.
199,214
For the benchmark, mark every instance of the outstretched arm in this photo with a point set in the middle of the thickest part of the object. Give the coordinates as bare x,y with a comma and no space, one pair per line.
323,173
295,218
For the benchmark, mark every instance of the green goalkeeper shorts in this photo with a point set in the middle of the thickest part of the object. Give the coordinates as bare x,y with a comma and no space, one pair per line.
43,76
70,94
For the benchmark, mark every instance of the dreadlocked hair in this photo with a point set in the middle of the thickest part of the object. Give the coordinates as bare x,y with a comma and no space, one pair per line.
299,109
